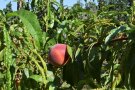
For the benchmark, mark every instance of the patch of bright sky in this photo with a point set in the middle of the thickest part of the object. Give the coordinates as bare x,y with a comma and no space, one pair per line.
14,4
3,4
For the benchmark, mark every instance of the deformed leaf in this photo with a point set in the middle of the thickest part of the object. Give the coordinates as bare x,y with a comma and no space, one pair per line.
116,81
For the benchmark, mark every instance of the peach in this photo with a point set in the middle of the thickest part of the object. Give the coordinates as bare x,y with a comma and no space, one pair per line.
58,55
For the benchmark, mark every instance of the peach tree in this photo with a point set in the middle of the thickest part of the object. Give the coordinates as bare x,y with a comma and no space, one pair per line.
97,39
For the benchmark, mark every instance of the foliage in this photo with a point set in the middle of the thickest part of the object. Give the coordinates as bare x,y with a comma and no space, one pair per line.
100,39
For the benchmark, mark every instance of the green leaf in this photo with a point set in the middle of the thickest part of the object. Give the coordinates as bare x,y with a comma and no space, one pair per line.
79,28
1,55
113,33
26,71
51,24
69,49
37,78
65,85
51,87
50,76
1,77
77,52
7,57
31,23
116,81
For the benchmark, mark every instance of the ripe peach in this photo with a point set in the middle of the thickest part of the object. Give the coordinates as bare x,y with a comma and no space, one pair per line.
58,55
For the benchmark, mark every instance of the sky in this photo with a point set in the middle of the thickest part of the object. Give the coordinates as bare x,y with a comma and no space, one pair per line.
14,5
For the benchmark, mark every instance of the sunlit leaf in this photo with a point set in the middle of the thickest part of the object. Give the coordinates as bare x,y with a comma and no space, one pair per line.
26,71
113,33
51,87
1,55
50,76
65,85
70,52
37,78
77,52
31,23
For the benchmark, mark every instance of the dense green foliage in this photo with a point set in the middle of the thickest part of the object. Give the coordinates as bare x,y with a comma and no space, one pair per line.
101,41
